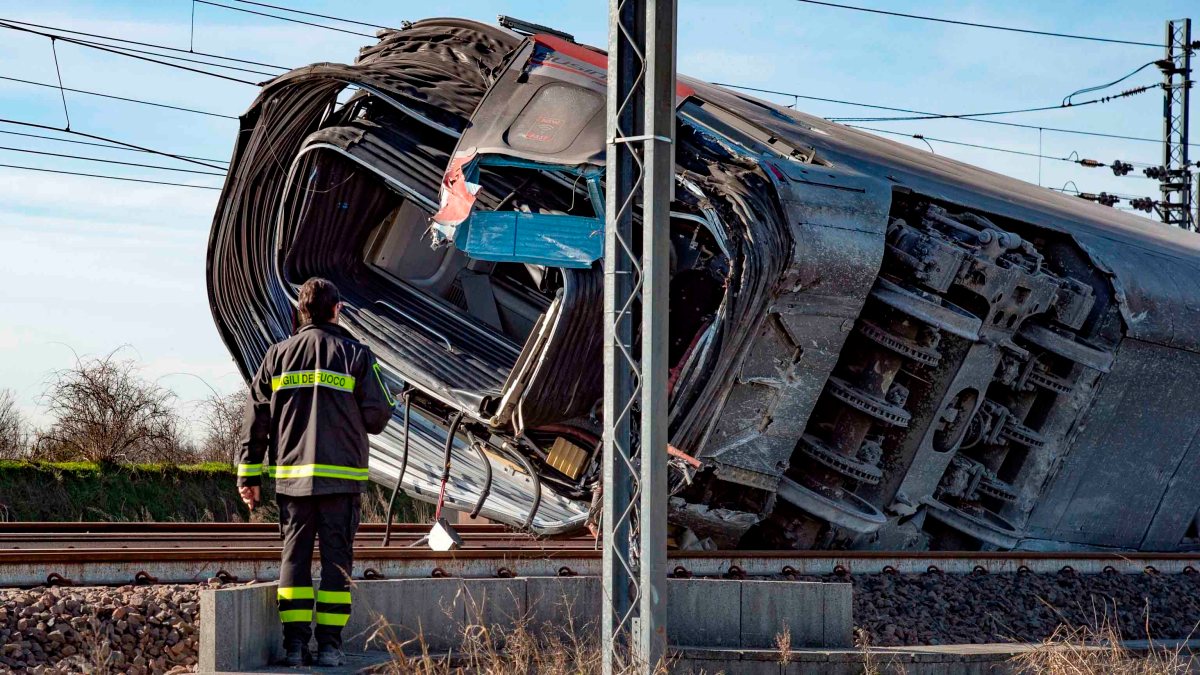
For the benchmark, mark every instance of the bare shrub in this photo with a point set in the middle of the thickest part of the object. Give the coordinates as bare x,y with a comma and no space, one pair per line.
222,424
104,411
14,432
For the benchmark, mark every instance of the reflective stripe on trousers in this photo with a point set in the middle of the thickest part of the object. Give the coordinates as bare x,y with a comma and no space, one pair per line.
295,604
333,608
334,519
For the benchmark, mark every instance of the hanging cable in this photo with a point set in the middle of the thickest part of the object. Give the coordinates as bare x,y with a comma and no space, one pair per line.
486,491
449,449
98,175
972,24
387,529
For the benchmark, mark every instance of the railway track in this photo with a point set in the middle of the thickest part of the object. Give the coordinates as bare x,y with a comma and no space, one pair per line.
33,554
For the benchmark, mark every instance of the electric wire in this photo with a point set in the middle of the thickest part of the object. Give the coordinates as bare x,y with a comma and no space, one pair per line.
119,98
283,18
132,51
1061,106
923,137
95,137
99,175
1143,139
108,161
98,145
62,94
320,16
110,38
117,50
1076,191
973,24
1067,99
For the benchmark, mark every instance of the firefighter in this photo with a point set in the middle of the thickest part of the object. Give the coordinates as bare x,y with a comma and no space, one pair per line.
312,403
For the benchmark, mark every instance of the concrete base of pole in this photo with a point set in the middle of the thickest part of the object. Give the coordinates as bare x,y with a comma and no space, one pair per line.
239,627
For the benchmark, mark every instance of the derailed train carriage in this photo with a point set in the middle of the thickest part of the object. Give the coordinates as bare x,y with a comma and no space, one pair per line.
872,346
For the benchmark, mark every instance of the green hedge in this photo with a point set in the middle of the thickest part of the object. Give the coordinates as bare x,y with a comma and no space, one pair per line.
74,491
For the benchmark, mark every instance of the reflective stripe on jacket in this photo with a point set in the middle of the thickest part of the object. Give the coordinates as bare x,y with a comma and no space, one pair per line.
312,403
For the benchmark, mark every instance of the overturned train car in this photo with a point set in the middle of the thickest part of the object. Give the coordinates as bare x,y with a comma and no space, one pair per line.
872,346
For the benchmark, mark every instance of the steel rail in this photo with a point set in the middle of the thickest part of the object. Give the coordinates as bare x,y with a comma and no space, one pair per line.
109,566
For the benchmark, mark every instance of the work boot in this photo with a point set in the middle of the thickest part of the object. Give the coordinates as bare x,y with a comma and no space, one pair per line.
297,655
329,656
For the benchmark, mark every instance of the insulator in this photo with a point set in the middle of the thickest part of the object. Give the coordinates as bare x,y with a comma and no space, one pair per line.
1120,168
1142,204
1090,162
1107,199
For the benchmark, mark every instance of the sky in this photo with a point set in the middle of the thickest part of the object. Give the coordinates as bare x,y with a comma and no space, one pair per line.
89,265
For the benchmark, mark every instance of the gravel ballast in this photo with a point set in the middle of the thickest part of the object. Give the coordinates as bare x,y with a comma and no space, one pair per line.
127,629
155,629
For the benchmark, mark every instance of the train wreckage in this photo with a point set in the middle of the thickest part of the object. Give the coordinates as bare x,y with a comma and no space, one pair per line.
873,347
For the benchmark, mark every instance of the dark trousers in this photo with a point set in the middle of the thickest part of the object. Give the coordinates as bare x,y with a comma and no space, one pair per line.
333,518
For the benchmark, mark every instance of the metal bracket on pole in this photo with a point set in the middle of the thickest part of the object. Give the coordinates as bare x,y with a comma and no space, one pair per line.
641,110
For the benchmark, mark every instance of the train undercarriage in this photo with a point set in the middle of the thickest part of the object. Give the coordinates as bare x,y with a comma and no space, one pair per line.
869,348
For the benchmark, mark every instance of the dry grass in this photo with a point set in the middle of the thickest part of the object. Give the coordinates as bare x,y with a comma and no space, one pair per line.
510,645
1099,651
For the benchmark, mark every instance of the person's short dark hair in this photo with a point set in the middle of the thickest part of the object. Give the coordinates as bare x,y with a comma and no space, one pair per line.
318,297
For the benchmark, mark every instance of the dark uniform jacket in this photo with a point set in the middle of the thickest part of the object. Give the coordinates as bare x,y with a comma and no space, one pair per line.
314,400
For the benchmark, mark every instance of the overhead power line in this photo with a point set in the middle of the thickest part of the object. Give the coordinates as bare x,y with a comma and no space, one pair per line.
110,38
1119,167
1067,99
1061,106
282,18
122,51
118,98
108,161
47,127
1018,125
1073,191
97,145
99,175
923,137
972,24
320,16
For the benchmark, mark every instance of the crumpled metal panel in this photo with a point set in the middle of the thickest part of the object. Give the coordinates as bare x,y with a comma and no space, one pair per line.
837,220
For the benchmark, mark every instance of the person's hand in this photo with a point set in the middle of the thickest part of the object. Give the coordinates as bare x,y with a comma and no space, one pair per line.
249,495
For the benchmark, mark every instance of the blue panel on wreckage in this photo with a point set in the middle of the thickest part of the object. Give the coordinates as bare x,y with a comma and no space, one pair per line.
541,239
551,239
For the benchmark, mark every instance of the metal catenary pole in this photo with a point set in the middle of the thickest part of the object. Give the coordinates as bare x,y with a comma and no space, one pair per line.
1176,204
640,170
